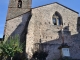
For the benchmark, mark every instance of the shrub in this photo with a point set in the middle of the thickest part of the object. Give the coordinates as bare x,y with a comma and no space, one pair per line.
11,47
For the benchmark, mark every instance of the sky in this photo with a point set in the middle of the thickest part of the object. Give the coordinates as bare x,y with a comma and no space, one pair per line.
73,4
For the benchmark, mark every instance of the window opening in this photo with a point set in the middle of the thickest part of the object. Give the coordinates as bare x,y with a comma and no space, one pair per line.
57,19
19,3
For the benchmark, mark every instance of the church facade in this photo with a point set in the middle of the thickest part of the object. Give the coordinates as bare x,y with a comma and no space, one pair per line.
43,25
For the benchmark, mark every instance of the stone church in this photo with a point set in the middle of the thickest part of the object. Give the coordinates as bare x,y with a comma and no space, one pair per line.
43,25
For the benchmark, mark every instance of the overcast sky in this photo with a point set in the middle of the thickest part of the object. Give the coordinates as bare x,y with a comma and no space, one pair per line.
73,4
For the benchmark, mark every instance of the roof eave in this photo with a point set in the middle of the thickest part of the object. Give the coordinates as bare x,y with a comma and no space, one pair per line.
59,4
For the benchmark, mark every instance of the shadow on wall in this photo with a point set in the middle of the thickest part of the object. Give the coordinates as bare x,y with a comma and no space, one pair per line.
22,28
21,31
51,47
78,24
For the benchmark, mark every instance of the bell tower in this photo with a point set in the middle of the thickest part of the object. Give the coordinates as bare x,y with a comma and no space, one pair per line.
18,15
18,7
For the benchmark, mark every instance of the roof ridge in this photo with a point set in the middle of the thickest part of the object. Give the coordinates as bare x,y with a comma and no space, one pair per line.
57,3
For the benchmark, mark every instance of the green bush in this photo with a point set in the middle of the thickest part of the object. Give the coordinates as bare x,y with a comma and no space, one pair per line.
11,47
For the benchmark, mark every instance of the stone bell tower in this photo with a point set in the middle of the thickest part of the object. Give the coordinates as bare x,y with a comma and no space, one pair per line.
18,7
17,17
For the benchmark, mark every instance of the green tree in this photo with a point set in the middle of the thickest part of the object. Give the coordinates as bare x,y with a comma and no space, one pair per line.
11,47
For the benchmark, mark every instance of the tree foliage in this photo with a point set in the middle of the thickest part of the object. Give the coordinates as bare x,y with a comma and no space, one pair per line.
11,47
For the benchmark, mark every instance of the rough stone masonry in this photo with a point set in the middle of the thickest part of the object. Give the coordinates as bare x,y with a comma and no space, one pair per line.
35,24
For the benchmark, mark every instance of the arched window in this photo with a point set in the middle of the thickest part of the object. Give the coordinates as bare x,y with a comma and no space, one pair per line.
19,3
57,19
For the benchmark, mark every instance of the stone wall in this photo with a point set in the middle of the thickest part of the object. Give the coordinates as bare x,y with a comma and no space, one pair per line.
41,27
16,26
14,11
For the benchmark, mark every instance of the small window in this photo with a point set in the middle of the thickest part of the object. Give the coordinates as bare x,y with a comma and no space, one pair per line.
19,3
57,20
